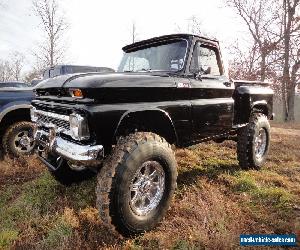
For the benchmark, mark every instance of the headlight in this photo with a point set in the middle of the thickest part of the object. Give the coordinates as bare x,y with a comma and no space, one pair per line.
79,127
33,114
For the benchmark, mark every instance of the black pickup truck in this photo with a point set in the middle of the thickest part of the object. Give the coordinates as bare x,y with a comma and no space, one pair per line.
168,90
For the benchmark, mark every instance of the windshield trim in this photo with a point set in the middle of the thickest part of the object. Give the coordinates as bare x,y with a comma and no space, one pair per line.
150,45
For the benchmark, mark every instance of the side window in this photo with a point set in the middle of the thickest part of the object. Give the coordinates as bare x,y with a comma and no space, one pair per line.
204,60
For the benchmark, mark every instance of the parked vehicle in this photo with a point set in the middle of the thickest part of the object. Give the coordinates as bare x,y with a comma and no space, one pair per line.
168,90
16,130
14,85
71,69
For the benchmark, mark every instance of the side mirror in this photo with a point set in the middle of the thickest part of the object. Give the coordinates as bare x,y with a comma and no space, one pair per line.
205,70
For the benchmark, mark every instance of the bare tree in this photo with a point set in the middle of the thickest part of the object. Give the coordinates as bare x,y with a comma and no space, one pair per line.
134,33
291,25
261,18
33,74
134,36
52,50
193,25
243,64
5,71
17,63
10,70
275,29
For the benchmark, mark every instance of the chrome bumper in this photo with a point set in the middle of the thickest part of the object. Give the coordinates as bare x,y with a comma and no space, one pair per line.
77,154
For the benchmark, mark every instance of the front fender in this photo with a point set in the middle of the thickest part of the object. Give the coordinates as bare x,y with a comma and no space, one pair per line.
142,113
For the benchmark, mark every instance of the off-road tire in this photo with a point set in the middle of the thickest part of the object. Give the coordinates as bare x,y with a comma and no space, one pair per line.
67,176
112,189
8,146
246,142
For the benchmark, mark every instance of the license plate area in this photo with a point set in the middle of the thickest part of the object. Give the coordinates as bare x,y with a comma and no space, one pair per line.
45,137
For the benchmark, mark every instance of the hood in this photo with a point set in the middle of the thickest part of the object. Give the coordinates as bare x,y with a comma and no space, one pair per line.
105,80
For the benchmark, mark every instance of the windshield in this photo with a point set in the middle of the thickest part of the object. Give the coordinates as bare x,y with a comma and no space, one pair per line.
163,57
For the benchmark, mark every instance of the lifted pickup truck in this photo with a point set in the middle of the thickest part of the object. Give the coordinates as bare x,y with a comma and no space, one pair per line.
168,90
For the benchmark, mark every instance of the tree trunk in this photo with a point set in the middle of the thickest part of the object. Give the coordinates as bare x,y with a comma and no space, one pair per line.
291,105
286,80
263,67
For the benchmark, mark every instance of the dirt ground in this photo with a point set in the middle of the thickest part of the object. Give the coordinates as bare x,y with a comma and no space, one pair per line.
215,202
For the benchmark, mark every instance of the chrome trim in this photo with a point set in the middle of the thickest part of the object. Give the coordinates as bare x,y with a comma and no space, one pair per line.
260,143
147,188
53,115
50,124
239,125
77,154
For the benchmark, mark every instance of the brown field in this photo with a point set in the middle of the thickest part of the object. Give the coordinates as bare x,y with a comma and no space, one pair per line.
214,203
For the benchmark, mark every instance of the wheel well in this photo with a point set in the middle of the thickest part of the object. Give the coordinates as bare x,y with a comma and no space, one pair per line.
14,116
147,121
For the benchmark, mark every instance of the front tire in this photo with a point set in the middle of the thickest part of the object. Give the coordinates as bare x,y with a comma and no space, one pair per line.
136,183
254,142
18,140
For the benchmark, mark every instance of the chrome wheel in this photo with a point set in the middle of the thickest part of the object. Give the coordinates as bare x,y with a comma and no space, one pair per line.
147,188
260,143
23,142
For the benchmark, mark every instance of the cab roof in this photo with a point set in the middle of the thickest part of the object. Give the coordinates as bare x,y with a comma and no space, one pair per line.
161,39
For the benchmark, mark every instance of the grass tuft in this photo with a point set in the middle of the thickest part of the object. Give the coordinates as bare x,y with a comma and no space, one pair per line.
273,196
57,235
7,237
245,183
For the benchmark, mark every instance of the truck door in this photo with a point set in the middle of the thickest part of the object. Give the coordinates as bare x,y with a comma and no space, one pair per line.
211,93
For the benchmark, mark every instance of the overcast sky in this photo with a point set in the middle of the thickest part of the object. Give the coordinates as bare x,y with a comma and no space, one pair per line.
99,29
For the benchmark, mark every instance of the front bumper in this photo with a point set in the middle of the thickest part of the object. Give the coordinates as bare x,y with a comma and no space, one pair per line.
50,143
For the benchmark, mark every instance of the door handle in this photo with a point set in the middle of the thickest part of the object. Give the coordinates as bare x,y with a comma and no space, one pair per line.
227,84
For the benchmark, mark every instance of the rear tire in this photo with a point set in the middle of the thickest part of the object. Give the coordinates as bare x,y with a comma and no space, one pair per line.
136,183
18,140
253,142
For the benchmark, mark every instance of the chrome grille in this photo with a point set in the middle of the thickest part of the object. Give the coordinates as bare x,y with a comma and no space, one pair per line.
53,122
49,119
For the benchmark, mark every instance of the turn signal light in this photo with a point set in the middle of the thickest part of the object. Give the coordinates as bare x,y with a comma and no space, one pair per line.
76,93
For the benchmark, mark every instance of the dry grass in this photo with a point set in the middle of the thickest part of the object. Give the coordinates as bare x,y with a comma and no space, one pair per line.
288,125
215,202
